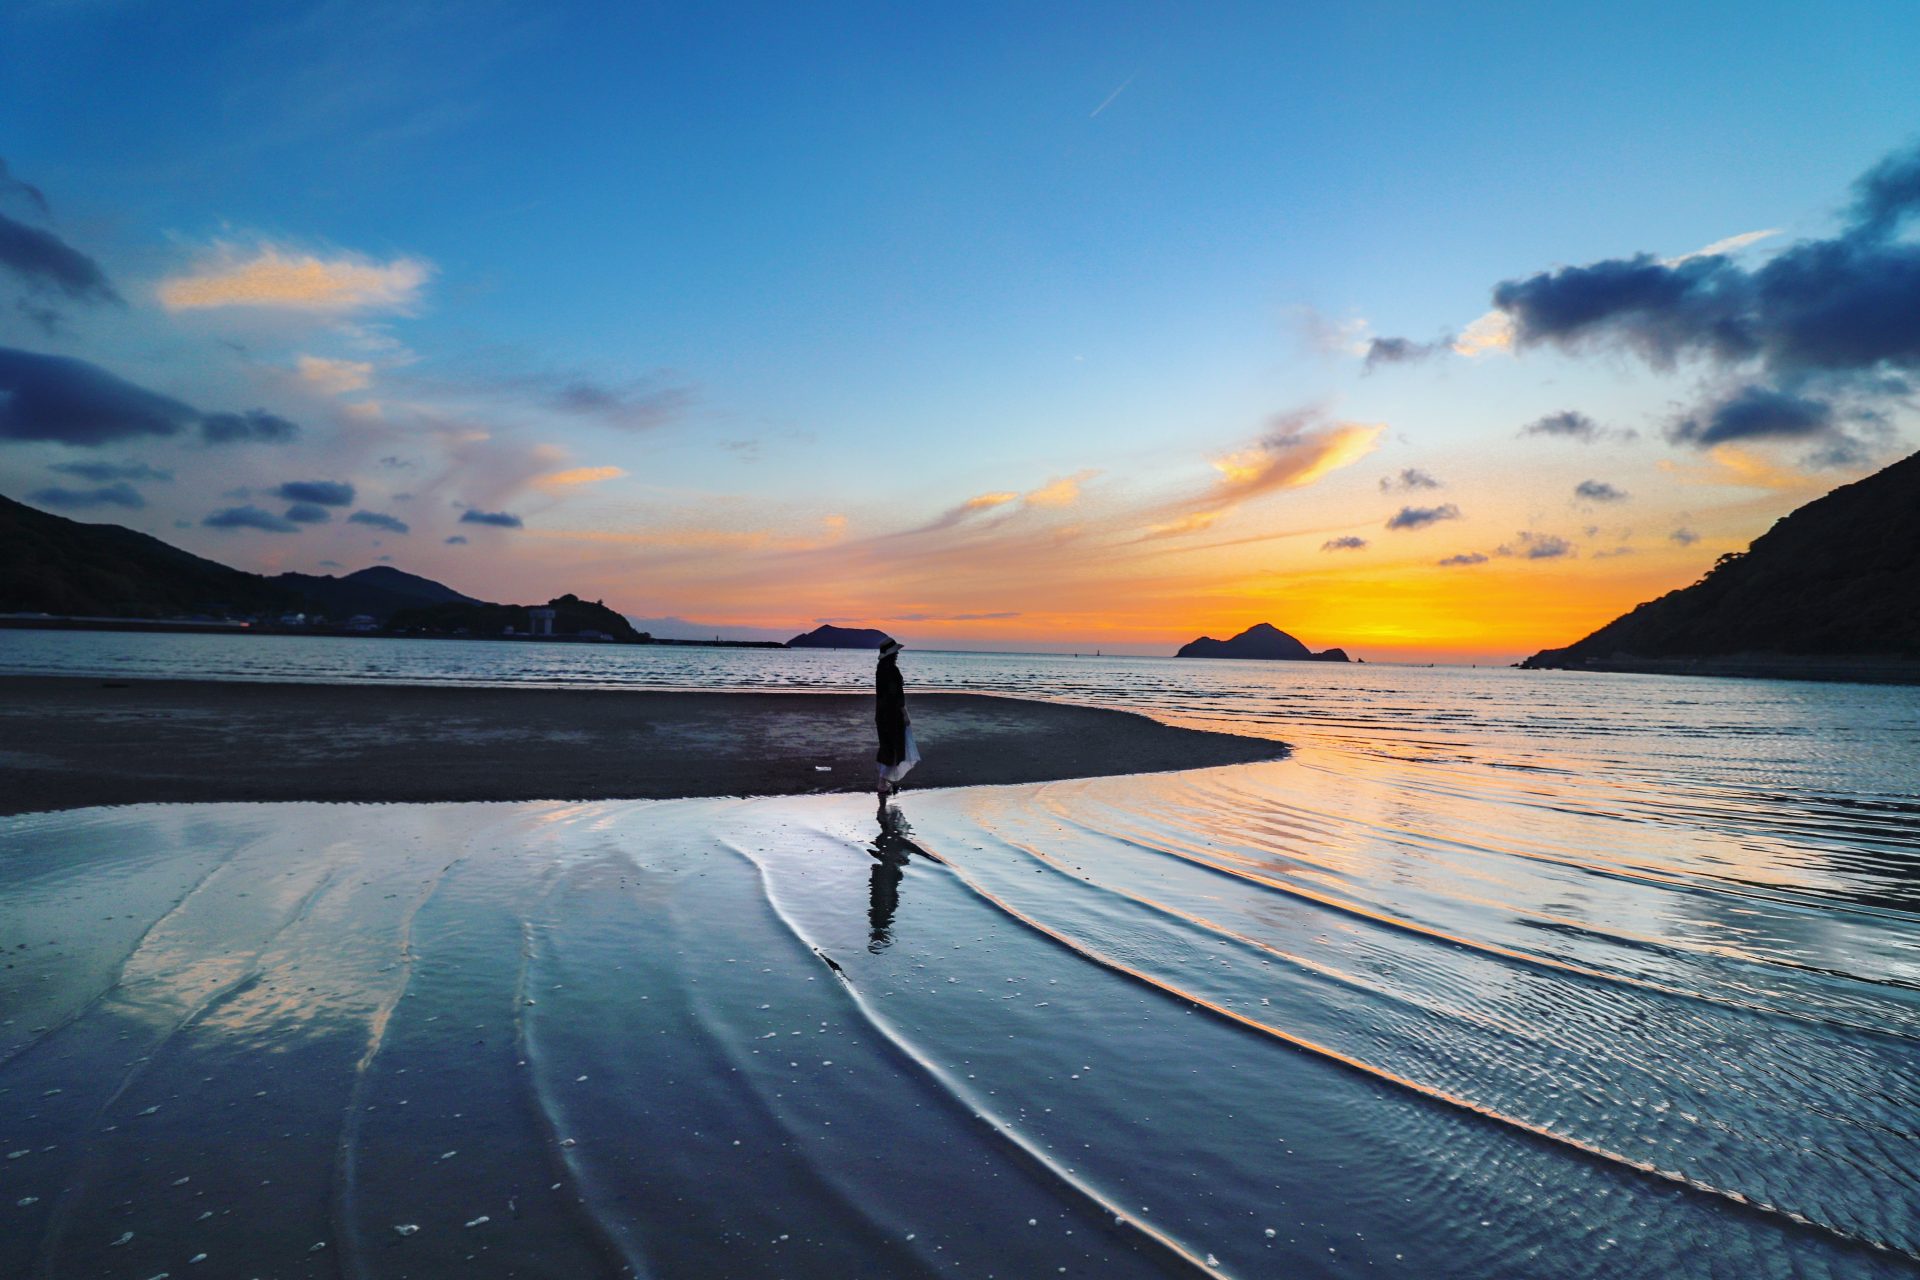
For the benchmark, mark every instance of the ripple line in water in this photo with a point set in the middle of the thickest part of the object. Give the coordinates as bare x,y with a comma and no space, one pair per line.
1192,855
60,1219
1036,1159
1433,1094
120,969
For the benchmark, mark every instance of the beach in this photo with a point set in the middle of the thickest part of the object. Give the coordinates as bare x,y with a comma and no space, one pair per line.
1469,982
76,741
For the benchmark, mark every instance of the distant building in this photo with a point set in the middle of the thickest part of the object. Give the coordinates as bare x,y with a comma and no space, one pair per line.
542,621
362,622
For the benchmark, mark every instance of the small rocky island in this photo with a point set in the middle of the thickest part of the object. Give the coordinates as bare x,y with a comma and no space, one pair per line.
829,637
1261,640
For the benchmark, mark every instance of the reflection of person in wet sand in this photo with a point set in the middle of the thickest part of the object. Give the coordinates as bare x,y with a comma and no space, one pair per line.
897,753
891,851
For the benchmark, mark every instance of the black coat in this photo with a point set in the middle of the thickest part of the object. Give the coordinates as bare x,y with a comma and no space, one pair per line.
890,712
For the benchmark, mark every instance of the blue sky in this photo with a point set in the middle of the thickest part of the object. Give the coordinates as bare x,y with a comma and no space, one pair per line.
870,263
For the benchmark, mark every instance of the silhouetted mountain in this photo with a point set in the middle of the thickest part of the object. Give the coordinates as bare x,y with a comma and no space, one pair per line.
825,637
50,564
572,617
1261,640
1837,579
379,592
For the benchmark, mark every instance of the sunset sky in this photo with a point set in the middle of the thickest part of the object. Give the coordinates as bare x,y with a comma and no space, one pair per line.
1431,332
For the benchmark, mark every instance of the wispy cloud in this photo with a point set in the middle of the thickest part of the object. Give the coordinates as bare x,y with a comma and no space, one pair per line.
271,277
334,377
1291,455
1492,333
577,476
1061,492
1723,247
1108,100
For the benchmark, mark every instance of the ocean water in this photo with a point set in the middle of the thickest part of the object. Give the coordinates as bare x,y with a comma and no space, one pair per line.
1500,973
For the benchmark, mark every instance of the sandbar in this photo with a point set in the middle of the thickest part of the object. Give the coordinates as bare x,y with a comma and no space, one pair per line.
69,742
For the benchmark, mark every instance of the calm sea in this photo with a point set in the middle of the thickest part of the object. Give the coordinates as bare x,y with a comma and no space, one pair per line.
1500,973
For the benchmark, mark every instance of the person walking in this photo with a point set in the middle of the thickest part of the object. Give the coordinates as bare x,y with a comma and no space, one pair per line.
897,753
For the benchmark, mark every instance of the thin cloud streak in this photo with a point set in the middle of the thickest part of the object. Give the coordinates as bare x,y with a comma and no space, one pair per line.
1110,97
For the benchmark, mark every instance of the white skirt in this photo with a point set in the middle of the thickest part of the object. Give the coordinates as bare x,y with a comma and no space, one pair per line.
893,773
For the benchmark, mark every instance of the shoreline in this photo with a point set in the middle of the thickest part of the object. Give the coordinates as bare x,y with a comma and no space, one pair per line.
79,741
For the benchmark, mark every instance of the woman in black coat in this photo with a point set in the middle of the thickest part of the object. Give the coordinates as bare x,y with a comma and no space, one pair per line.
896,754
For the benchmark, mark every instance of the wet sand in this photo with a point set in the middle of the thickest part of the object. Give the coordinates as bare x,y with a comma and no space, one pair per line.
69,742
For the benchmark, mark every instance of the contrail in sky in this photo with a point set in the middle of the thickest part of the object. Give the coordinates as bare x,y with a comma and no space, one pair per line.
1110,97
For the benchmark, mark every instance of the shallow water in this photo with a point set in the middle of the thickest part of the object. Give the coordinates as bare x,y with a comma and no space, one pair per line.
1502,973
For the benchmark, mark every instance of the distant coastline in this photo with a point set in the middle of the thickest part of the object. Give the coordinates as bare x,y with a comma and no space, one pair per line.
1752,666
184,626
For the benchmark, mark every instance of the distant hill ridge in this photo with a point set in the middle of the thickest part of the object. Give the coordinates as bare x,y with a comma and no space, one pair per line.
50,564
379,592
1261,640
1837,579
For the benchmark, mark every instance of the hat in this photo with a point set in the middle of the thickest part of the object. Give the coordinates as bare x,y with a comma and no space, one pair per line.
891,647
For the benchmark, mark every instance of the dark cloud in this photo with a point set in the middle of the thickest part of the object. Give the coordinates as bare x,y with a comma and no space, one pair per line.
1410,478
308,513
1465,557
255,426
1755,412
1598,491
396,462
1421,517
68,401
457,540
1685,537
102,472
1348,543
1401,351
43,261
1536,546
635,406
1661,310
250,518
498,519
1571,424
1885,194
111,495
1821,322
380,520
72,402
331,564
326,493
12,186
